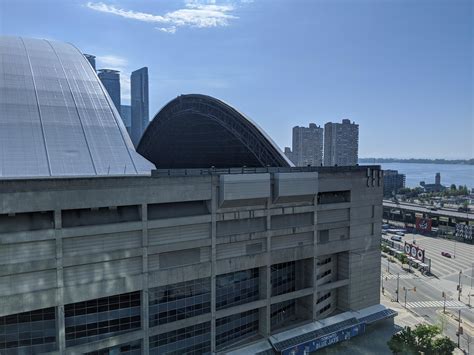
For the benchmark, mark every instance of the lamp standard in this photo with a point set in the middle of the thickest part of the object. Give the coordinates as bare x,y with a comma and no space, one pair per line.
406,291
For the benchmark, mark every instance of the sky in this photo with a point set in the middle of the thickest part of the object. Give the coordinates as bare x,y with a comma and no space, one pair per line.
401,69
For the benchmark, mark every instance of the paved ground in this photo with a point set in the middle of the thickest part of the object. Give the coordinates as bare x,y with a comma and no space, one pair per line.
427,302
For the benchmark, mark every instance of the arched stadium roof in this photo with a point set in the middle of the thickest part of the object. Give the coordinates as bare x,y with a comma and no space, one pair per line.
199,131
56,118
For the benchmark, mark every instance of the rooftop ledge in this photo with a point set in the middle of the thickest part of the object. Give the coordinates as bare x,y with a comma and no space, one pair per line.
260,170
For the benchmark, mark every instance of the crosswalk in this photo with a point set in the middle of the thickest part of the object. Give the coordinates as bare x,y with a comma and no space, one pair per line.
402,276
436,304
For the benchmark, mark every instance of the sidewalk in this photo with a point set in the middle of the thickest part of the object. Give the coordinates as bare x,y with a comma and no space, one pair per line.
406,318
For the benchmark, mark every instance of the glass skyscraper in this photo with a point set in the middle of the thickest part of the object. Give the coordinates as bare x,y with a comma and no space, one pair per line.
111,80
126,113
139,93
91,59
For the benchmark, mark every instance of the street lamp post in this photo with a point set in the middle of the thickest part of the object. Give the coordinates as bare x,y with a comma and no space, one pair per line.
398,284
383,289
406,291
444,304
460,330
459,286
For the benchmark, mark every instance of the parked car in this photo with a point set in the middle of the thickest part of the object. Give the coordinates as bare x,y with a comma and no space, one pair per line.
446,254
400,233
396,238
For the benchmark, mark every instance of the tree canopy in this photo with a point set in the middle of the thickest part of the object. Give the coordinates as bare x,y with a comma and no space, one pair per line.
425,338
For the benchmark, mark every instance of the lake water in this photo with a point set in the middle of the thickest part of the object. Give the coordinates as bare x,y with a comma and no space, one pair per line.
450,173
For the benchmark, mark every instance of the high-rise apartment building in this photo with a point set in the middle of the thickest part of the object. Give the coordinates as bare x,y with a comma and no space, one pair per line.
111,80
307,145
289,154
139,93
91,59
126,113
392,182
341,143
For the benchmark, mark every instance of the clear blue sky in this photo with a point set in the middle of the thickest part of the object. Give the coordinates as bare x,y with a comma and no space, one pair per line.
401,69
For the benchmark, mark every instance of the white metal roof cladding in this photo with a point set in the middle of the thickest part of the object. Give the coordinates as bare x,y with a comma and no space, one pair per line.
56,118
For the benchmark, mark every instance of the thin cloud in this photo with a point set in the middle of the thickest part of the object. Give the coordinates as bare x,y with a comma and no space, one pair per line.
195,14
111,61
117,63
171,29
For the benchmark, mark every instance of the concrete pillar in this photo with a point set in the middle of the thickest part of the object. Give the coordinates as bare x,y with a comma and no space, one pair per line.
266,331
214,202
60,327
315,260
144,297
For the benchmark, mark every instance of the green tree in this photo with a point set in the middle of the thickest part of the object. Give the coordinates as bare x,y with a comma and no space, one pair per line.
424,339
425,333
452,187
403,258
403,342
443,346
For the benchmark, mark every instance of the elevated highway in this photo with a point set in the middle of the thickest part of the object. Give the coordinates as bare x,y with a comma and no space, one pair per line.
427,212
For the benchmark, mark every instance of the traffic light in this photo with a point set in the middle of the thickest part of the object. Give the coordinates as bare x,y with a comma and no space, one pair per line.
443,295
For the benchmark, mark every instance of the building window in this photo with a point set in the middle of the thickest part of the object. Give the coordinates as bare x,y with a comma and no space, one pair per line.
133,348
179,301
324,309
283,278
237,288
334,197
282,312
236,327
325,273
101,318
29,332
191,340
324,261
323,297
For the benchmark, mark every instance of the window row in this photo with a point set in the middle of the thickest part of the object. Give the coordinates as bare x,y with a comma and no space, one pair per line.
237,288
283,278
179,301
324,297
195,339
236,327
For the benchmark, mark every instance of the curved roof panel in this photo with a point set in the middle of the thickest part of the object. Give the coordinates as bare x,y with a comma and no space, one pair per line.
199,131
56,118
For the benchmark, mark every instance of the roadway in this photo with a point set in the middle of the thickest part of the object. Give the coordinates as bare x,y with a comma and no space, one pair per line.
413,207
427,301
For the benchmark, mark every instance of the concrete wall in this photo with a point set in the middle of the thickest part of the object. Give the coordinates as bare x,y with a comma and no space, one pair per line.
70,240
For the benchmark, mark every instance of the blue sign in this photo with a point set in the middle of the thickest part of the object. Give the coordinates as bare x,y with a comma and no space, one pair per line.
326,340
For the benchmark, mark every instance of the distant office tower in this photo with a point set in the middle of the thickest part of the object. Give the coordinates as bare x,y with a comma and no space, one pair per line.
91,59
341,143
139,93
392,182
126,113
307,145
438,179
111,80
